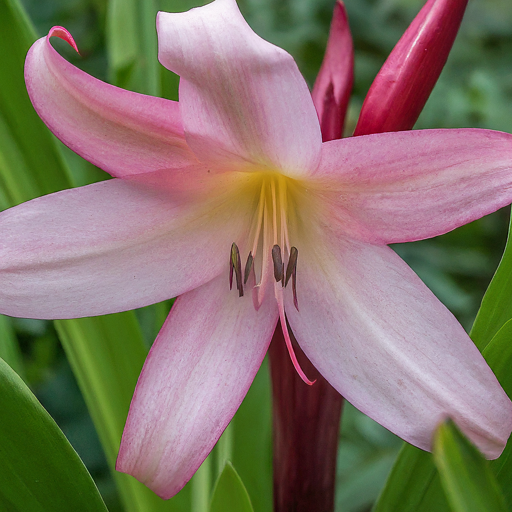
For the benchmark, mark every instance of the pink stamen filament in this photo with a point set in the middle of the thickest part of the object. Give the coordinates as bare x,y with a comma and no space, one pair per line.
261,205
285,242
274,210
280,305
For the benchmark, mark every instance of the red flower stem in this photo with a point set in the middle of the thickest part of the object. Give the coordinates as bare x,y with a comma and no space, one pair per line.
305,433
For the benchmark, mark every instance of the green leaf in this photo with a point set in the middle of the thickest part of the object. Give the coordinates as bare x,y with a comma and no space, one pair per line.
39,470
413,485
466,477
30,163
229,494
496,308
498,353
252,440
132,45
9,348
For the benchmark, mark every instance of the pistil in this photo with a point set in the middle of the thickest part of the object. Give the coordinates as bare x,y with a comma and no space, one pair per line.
271,242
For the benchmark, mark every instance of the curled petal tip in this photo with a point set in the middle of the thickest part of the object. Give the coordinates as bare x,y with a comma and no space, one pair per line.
63,34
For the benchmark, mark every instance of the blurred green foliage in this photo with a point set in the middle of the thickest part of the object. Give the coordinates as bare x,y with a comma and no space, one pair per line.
475,90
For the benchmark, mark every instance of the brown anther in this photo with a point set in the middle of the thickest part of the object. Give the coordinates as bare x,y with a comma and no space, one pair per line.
291,271
248,266
278,263
235,265
291,268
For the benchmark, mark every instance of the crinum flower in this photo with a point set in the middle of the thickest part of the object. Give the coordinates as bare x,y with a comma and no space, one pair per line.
230,200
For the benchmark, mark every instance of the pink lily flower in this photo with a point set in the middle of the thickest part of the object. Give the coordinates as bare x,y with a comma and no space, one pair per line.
233,186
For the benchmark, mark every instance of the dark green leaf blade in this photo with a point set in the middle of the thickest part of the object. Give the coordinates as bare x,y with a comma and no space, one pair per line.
230,494
411,485
39,470
9,349
31,163
252,440
498,353
467,479
496,308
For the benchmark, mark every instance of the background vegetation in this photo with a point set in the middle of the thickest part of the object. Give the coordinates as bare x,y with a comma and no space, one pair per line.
475,90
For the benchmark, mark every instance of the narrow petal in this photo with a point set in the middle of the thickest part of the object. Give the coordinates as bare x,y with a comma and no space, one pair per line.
240,96
407,186
195,377
383,340
120,131
110,246
405,81
333,84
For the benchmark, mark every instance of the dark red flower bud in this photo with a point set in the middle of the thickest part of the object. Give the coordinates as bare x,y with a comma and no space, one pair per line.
405,81
331,92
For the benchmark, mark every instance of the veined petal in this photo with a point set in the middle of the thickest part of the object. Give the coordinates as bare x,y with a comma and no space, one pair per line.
333,84
111,246
400,187
383,340
243,100
120,131
195,377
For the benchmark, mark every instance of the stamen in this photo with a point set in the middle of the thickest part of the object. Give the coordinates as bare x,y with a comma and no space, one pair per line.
286,334
285,242
274,210
292,264
278,263
236,266
261,204
265,265
291,271
248,266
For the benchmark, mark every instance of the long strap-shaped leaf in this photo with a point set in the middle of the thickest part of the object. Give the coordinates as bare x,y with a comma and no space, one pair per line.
39,470
467,479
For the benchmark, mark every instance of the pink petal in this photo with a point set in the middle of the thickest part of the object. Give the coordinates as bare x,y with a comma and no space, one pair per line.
408,76
399,187
120,131
195,377
240,96
333,84
383,340
110,246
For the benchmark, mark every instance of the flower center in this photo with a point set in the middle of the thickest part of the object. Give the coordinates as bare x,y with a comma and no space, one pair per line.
270,246
270,253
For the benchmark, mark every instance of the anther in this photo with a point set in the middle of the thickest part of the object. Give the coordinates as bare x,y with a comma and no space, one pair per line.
235,265
248,266
278,263
291,271
291,268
